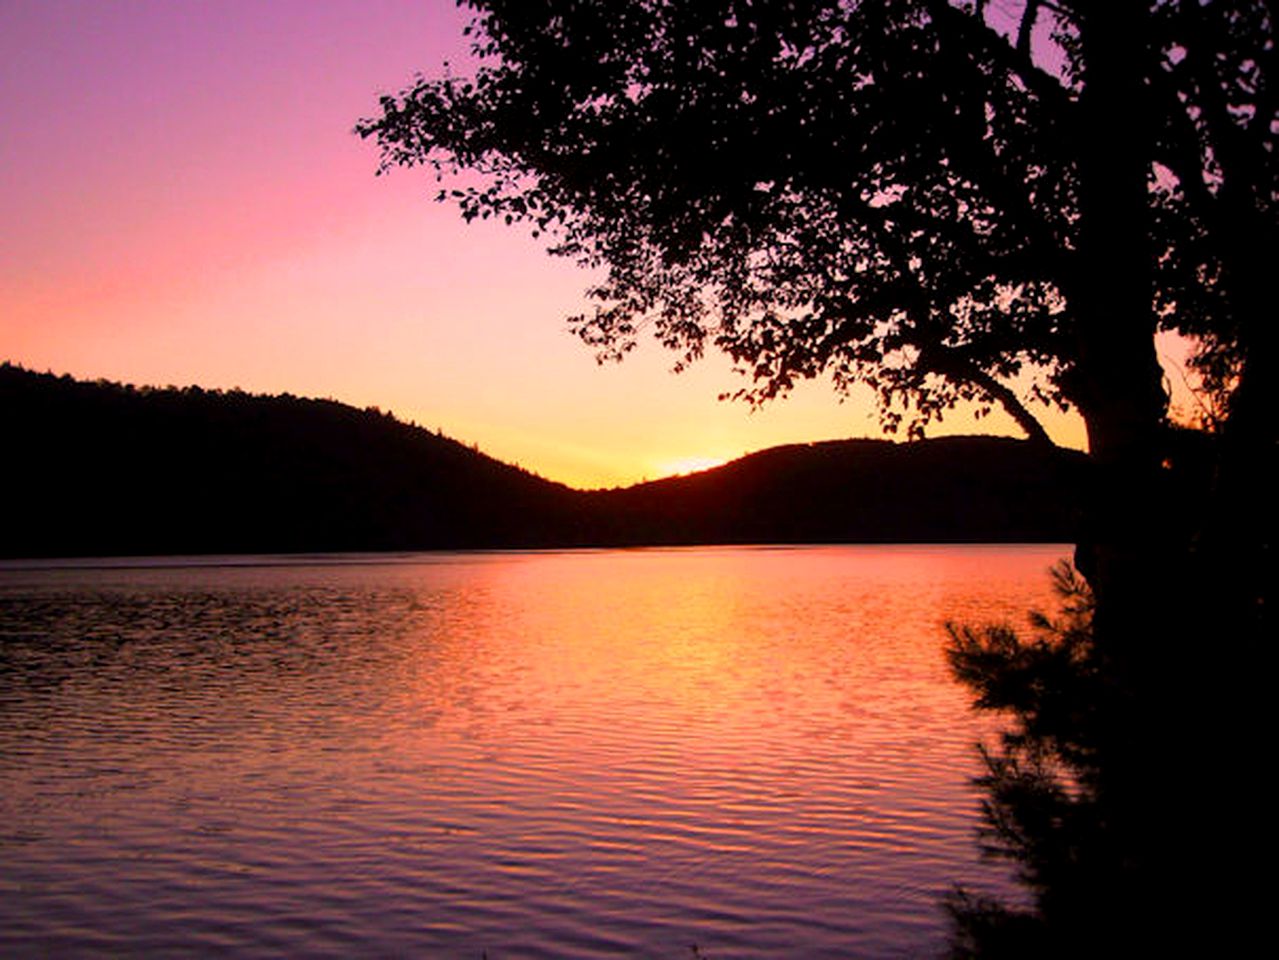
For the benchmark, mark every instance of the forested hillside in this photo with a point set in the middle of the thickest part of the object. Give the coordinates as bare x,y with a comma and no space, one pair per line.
104,469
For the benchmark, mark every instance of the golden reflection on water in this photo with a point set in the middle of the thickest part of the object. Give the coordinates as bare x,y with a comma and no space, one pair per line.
588,753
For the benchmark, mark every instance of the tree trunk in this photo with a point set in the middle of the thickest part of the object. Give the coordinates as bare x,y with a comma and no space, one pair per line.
1176,605
1120,384
1129,551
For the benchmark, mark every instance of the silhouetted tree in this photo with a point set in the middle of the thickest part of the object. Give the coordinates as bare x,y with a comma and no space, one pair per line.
946,201
1044,808
941,200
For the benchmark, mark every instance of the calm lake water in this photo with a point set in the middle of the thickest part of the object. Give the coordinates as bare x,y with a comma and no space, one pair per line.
572,754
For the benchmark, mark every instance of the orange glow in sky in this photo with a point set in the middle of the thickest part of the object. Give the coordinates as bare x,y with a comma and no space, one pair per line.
182,201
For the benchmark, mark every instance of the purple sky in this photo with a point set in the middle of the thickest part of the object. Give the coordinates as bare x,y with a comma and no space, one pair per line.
182,201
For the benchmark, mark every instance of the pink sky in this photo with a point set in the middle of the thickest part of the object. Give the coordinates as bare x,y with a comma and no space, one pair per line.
182,201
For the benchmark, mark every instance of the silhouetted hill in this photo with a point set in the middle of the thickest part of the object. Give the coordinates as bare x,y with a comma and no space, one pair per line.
959,489
100,469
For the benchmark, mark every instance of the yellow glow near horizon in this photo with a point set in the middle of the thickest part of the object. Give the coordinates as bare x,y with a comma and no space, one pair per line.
685,465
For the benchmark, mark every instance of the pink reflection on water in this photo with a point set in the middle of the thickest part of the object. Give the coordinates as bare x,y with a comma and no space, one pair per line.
580,753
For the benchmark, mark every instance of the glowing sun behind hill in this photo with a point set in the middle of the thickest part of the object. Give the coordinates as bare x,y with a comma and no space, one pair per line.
684,465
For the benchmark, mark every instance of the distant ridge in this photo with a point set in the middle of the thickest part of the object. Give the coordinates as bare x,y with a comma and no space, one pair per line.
952,489
101,469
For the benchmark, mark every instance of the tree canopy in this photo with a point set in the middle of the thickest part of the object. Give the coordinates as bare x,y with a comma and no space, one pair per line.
945,201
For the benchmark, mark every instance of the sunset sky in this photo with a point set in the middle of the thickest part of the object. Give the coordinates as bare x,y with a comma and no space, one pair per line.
182,201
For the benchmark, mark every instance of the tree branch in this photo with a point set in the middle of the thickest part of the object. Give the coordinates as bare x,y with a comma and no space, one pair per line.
952,365
1027,27
975,35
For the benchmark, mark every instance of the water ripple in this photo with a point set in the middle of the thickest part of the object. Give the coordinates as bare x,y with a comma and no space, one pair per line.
582,754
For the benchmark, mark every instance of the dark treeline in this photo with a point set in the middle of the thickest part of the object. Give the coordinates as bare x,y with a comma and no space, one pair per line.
954,489
104,469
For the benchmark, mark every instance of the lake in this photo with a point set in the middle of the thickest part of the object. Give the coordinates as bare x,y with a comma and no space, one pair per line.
755,751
